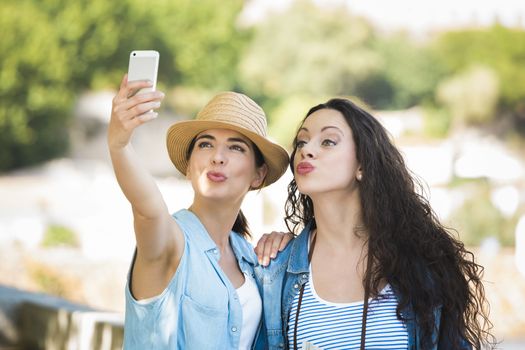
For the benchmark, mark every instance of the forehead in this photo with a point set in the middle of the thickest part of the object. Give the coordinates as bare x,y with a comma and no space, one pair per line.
323,118
224,134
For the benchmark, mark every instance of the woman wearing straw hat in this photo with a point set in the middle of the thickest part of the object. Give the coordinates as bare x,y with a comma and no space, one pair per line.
191,282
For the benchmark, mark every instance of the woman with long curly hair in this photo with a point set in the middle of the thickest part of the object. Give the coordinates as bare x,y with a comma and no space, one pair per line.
373,268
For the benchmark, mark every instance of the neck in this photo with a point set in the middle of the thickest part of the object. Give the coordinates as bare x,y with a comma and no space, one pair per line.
217,219
338,219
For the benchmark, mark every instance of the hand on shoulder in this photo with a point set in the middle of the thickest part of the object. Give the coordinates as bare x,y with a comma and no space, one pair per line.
270,244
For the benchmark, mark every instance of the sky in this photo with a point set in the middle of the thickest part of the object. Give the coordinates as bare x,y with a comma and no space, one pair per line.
428,15
415,15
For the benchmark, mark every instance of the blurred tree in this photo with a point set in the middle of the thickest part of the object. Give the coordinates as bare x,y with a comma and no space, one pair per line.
309,51
290,112
411,70
54,49
34,96
471,96
203,40
58,235
500,48
478,218
288,115
437,121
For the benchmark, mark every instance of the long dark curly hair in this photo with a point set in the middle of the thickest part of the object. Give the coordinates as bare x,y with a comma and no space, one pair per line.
407,245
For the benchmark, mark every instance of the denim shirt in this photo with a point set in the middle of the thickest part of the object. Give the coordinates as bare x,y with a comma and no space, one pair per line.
282,280
199,309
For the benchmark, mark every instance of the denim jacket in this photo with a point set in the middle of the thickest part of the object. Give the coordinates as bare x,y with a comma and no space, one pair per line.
200,308
283,279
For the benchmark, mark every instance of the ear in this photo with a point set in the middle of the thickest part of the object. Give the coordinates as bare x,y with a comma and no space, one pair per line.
188,171
359,174
260,175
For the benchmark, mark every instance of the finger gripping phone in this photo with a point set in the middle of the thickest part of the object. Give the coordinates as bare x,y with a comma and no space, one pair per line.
143,65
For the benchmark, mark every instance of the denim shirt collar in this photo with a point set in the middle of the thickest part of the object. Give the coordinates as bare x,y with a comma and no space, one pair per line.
204,242
242,249
298,262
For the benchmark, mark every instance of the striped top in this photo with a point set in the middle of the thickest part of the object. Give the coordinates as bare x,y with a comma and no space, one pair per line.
326,325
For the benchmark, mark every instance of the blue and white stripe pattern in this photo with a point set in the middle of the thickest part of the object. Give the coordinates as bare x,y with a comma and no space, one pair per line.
326,325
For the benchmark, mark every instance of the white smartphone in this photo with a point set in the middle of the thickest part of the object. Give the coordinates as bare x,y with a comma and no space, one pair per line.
143,65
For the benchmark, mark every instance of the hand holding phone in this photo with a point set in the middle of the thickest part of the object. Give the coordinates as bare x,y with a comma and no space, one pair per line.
143,65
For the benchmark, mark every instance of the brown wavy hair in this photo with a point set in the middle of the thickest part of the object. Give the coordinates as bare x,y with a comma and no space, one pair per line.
407,245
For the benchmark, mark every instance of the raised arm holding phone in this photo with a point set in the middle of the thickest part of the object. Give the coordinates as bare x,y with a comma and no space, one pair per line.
191,284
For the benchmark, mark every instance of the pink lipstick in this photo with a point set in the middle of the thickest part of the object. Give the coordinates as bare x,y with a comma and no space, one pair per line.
215,176
304,168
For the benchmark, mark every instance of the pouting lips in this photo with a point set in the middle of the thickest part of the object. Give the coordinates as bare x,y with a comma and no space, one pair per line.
216,176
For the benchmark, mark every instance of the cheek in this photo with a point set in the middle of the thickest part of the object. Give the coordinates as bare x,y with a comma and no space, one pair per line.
195,168
248,172
342,169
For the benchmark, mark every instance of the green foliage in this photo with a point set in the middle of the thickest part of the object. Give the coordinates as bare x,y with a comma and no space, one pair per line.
498,47
58,235
54,49
335,53
291,111
478,219
411,72
471,96
330,53
287,117
202,39
33,94
50,280
437,122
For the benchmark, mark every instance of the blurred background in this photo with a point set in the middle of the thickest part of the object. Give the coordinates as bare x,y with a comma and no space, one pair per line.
447,79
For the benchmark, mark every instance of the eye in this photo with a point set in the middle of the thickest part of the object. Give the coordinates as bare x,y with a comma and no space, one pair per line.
328,142
300,143
237,148
204,144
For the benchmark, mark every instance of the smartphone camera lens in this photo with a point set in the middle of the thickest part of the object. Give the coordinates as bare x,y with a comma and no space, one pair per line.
134,54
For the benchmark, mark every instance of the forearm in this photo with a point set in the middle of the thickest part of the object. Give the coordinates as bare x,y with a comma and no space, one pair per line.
136,183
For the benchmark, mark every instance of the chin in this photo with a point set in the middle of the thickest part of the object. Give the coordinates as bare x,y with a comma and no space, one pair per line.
306,190
212,194
317,189
307,187
220,195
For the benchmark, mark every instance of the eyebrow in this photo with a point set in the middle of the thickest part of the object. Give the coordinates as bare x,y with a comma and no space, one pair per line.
237,139
323,129
204,136
230,139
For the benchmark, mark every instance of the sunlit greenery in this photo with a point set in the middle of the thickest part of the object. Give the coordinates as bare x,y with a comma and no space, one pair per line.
53,50
58,235
478,219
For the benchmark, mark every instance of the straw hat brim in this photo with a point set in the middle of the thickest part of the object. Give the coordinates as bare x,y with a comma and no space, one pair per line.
181,134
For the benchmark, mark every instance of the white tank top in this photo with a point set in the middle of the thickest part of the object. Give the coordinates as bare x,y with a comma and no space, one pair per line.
251,311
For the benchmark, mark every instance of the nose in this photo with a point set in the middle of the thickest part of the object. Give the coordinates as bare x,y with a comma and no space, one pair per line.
218,157
307,151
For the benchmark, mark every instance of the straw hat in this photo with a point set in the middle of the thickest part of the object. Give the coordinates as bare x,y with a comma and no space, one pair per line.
232,111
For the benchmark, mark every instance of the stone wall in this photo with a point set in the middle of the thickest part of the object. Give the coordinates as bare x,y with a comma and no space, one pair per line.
39,321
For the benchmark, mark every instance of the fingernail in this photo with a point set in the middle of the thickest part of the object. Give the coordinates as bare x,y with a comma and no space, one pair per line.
272,256
266,261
